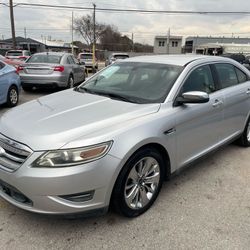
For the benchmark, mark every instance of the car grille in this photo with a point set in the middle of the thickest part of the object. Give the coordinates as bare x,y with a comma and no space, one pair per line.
12,154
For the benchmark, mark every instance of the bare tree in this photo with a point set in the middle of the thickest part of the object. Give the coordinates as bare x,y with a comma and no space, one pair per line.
85,27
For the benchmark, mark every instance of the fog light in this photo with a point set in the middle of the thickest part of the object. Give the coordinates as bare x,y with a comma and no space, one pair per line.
79,197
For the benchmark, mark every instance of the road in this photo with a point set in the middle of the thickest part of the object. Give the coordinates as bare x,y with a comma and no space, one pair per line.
206,206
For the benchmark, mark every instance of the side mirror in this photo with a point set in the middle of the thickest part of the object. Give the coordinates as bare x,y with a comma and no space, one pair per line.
193,97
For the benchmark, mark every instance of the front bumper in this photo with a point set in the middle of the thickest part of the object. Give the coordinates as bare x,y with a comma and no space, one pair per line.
48,191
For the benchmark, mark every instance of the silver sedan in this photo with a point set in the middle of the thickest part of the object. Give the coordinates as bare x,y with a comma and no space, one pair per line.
117,137
51,69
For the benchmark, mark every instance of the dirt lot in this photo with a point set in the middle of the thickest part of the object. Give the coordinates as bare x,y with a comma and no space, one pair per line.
206,206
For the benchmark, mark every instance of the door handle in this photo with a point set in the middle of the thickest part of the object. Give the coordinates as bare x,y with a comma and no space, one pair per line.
248,92
217,103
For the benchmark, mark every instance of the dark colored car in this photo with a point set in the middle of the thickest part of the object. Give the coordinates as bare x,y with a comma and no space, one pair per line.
239,58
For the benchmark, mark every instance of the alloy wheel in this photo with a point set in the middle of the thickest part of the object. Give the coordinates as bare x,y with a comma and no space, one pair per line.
142,183
13,96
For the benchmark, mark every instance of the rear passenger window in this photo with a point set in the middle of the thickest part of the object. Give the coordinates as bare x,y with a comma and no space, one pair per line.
226,74
242,77
70,60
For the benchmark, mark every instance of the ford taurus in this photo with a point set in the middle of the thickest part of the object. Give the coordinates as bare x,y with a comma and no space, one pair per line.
115,138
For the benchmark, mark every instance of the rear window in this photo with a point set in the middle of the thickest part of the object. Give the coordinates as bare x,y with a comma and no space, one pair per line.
85,56
26,53
44,59
121,56
14,53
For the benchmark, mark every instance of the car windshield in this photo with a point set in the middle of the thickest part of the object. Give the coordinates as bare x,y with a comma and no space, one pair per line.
134,82
86,56
14,53
44,58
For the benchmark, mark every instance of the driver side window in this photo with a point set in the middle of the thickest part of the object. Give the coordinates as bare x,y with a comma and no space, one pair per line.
200,79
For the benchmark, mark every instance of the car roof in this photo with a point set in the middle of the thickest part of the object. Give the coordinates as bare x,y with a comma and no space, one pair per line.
19,50
180,60
53,53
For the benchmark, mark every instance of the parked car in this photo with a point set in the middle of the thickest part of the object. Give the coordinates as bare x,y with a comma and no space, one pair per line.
117,137
51,69
21,55
14,63
9,86
116,56
240,58
86,58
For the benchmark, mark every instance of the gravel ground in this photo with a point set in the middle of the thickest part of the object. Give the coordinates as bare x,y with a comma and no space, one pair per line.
206,206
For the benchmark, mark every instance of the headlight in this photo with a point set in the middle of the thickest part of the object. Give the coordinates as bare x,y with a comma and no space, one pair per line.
71,157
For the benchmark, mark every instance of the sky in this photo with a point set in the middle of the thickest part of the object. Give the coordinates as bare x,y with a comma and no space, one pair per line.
56,23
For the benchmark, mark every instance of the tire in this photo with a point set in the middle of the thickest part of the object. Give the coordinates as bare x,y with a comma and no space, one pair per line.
139,183
70,82
12,98
244,140
27,88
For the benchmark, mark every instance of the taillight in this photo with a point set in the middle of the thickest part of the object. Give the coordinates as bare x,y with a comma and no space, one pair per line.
59,68
19,68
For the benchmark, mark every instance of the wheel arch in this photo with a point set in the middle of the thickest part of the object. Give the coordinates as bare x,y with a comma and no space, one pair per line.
156,146
160,148
163,152
15,86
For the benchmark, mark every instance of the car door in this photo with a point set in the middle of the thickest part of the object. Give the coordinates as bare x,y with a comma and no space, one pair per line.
4,86
80,70
73,68
198,126
235,86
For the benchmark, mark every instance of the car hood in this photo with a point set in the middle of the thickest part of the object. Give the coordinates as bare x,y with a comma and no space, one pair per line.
57,119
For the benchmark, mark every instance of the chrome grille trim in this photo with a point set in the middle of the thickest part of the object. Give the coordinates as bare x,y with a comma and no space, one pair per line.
12,154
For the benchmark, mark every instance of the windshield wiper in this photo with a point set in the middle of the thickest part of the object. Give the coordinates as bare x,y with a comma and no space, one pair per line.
110,95
122,97
88,90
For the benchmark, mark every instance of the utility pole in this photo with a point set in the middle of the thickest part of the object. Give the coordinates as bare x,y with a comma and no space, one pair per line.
132,42
168,40
12,24
72,33
94,42
25,36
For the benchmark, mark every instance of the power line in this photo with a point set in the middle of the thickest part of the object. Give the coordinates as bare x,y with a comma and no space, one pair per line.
143,11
